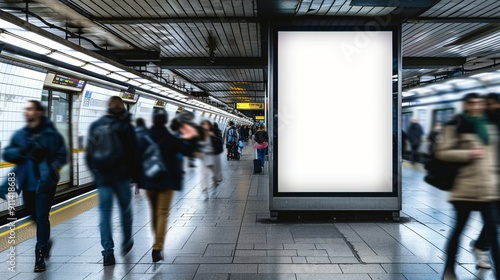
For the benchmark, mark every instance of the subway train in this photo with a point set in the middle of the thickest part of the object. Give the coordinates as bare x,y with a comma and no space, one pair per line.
441,101
73,101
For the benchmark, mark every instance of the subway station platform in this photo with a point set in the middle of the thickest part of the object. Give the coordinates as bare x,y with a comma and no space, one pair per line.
229,235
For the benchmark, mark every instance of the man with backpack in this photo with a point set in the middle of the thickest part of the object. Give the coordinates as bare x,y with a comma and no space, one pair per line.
112,158
39,153
231,136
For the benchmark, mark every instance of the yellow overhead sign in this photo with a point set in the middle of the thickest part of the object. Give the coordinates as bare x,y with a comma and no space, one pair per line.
258,118
250,106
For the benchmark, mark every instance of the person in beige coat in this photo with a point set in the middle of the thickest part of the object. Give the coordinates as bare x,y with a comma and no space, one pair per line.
471,140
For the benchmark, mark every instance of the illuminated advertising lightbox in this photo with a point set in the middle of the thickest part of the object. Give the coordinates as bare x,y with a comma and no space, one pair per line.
335,112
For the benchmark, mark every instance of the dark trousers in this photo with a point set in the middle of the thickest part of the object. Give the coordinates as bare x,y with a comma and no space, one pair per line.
38,205
488,212
414,152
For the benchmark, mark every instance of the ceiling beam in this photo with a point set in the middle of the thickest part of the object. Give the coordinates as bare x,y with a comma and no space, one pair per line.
432,62
218,63
453,20
231,82
173,20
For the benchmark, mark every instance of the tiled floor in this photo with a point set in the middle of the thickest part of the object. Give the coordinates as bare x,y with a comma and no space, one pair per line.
229,236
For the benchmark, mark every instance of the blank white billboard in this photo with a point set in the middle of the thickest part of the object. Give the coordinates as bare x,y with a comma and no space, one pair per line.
335,111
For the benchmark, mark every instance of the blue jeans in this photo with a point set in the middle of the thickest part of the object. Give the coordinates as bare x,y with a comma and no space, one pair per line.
261,154
124,195
38,205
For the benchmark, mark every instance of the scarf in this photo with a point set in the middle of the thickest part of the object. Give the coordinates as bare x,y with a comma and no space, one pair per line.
479,124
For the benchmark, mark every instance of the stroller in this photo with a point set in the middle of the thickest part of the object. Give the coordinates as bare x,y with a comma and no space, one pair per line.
233,152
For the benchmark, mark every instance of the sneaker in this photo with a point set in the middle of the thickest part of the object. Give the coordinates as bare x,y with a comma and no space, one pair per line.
108,260
482,257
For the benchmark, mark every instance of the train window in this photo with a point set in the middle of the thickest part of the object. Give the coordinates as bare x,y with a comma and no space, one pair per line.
442,115
406,120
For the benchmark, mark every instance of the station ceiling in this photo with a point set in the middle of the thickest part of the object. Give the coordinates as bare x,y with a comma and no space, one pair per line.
220,47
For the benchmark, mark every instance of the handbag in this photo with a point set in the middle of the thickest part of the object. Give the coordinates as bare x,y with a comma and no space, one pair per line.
152,161
441,174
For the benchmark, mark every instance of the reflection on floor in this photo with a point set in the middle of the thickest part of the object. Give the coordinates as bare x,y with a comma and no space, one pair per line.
229,236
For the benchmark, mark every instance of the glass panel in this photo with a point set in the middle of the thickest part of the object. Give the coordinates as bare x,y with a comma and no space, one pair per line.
45,100
60,116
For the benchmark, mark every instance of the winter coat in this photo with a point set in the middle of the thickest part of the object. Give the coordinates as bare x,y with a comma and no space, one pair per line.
129,169
414,133
39,154
476,180
170,146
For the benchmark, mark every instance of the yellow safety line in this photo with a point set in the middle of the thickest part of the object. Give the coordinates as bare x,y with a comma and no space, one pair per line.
52,213
6,164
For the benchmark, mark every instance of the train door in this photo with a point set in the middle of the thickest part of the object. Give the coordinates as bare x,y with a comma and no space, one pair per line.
58,104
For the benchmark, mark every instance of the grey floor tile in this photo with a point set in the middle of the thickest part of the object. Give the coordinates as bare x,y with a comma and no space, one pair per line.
199,260
299,268
159,276
408,268
228,268
260,276
211,276
333,277
262,260
384,276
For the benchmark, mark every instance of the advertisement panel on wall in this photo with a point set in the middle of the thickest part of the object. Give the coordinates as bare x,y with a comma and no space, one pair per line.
339,101
335,102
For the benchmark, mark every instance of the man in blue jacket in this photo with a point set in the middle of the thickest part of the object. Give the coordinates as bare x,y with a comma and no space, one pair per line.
113,176
39,153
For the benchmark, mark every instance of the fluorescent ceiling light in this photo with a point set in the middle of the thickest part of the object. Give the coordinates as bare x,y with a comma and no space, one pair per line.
95,69
18,42
80,55
129,75
134,83
118,77
108,66
66,59
145,81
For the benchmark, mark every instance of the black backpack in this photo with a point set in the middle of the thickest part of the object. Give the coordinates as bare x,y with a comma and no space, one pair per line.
441,174
260,137
152,160
106,148
216,145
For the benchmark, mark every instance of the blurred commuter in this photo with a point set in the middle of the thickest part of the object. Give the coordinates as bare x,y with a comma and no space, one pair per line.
493,108
217,160
262,139
39,153
471,140
481,246
231,137
111,159
210,146
160,189
433,137
414,133
140,128
140,131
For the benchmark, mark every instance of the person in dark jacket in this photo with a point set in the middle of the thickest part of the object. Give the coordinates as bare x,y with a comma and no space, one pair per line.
115,181
140,128
217,162
414,133
39,153
160,190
